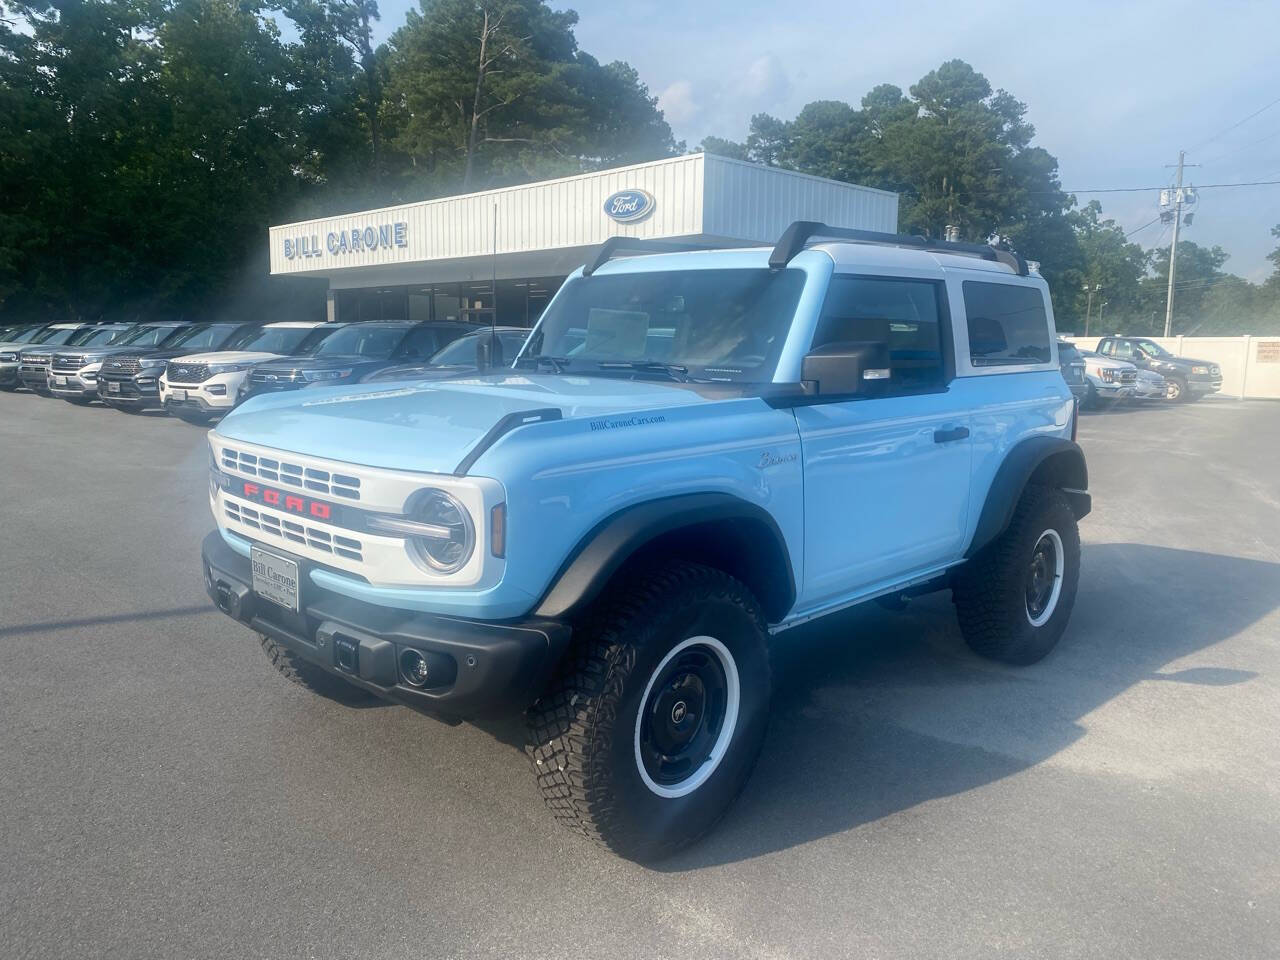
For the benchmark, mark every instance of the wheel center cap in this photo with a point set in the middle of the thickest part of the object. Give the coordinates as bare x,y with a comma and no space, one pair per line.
679,711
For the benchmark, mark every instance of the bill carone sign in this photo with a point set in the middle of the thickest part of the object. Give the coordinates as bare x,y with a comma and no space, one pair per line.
340,242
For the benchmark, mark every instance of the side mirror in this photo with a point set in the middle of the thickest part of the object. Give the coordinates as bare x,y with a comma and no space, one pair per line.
856,369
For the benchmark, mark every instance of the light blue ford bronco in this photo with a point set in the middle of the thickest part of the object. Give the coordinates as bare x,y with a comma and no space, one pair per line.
695,451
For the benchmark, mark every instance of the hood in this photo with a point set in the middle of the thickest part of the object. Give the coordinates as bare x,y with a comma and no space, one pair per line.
1106,363
1187,362
226,356
93,353
289,364
429,427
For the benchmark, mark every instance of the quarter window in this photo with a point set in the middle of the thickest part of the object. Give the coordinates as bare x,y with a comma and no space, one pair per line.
1007,323
904,314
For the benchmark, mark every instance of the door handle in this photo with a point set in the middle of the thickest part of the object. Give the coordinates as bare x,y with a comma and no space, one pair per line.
946,436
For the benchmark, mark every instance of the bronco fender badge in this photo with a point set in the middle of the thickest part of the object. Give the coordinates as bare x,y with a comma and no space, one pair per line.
770,459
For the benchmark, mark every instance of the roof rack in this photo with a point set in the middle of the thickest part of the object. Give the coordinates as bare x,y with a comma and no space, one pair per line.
618,245
795,237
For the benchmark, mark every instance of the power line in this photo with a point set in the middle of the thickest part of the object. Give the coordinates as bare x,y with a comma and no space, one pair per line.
1240,149
1237,124
1143,227
1198,186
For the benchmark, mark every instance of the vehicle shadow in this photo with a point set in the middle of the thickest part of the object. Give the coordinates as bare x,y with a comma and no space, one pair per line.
876,712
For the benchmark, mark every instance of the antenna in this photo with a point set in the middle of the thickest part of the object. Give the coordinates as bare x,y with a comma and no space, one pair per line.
493,288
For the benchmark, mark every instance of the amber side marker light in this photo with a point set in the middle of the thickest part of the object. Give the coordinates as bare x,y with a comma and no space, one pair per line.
498,531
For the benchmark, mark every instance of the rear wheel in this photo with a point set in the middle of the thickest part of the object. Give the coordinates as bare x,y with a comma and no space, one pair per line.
658,713
1014,598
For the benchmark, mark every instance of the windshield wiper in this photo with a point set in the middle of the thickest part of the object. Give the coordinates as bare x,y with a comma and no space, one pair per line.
673,370
555,363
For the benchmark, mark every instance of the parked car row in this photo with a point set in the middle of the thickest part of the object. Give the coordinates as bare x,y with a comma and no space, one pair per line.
1134,368
199,371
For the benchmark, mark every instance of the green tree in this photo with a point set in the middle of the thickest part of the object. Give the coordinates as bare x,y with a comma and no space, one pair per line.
490,92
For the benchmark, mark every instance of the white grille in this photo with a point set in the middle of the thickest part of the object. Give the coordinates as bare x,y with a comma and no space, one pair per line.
285,529
291,474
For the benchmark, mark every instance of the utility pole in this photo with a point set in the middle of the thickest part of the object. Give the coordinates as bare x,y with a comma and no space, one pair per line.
1173,245
1088,310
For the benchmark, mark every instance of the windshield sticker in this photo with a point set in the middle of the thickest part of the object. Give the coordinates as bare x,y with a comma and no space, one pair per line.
616,333
629,422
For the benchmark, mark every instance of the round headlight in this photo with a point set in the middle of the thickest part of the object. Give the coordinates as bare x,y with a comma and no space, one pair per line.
449,552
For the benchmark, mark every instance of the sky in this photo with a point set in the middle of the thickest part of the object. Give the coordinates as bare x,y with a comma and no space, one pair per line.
1114,89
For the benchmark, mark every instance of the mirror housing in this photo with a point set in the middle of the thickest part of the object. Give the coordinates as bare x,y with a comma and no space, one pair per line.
851,368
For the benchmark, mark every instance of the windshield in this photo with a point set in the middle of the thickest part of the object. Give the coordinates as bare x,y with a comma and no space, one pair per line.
462,352
282,340
55,336
717,324
199,336
144,336
29,335
357,340
95,336
1152,349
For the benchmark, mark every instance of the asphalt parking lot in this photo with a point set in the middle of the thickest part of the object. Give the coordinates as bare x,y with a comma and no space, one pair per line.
163,793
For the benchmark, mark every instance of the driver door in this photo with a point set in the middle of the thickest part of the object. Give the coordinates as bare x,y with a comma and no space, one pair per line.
886,478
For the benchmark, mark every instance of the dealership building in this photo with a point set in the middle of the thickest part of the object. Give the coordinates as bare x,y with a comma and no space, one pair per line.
451,258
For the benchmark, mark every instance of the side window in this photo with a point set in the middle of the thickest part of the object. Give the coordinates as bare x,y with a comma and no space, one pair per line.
1007,324
1123,350
1106,348
905,314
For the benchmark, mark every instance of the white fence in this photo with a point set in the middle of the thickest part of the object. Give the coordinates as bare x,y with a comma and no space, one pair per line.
1250,365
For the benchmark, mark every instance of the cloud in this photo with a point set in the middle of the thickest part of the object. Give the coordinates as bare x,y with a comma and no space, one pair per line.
678,104
765,82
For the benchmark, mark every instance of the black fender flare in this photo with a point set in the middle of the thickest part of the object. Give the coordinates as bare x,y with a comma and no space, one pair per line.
1054,461
618,538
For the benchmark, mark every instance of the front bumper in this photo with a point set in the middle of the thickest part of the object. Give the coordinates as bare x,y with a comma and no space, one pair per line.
34,377
73,387
486,667
215,395
140,391
8,375
1205,386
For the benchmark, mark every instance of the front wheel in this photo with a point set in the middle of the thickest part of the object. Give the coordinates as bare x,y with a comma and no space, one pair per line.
1176,391
658,713
1014,598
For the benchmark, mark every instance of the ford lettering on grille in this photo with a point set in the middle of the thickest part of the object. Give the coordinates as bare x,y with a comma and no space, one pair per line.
282,499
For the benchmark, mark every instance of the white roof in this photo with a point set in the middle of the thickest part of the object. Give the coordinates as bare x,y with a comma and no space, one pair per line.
547,228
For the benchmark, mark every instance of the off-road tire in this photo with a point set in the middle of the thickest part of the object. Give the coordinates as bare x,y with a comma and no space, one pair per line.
297,670
990,590
583,730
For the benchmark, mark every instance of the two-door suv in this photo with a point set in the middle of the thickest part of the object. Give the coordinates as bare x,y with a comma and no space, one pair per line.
1185,378
694,452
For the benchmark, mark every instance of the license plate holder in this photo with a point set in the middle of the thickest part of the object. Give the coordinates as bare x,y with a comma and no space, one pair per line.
59,381
113,387
275,578
178,395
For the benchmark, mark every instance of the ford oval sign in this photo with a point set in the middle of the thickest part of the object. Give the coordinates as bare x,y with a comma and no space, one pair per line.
628,206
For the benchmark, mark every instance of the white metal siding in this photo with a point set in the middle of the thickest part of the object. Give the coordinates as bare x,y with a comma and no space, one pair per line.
744,201
537,216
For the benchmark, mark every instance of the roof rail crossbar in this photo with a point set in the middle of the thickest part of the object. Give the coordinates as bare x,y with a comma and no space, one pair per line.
615,246
795,237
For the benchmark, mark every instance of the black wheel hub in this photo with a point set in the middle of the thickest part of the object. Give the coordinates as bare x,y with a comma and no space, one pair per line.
681,719
1043,574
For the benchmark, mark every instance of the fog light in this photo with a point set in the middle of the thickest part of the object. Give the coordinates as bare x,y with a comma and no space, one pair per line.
413,667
